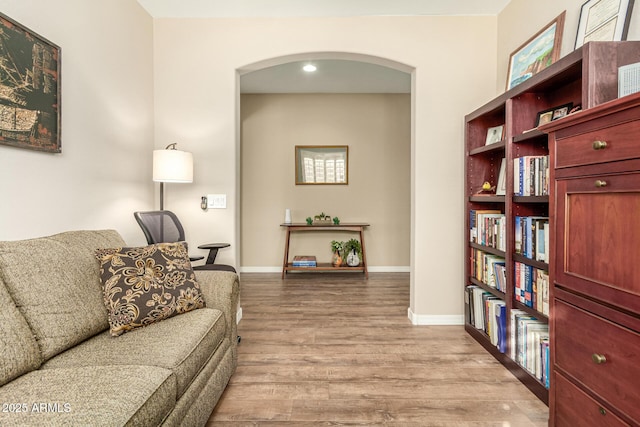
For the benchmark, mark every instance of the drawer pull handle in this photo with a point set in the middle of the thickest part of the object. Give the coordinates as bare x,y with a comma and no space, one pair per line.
602,411
600,183
599,145
598,359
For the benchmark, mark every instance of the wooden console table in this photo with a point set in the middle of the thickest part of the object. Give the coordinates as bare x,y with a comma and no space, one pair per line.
357,228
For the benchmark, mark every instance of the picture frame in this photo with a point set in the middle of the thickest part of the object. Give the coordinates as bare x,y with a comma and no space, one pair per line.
604,20
29,89
501,187
322,164
494,134
537,53
554,113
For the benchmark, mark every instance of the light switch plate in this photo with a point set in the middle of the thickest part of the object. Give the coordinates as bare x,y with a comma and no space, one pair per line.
216,201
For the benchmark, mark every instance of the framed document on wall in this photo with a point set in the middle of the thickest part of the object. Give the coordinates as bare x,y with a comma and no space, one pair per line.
604,20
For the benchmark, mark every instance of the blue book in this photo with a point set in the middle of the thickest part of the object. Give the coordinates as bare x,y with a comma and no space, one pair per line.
501,320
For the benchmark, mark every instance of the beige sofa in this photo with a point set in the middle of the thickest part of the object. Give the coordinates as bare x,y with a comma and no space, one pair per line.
59,365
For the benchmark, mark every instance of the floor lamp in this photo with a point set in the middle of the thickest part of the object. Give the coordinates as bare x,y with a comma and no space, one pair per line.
171,165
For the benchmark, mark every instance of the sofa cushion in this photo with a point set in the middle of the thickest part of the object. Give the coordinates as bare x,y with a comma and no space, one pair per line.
182,344
55,283
19,352
147,284
90,396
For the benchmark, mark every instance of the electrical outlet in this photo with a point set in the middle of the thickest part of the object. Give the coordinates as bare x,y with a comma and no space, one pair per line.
216,201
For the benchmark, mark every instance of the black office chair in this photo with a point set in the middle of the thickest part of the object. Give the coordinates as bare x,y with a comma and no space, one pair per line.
165,227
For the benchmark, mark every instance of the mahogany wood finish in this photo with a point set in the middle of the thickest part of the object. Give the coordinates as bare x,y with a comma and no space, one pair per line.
578,409
336,349
595,329
585,77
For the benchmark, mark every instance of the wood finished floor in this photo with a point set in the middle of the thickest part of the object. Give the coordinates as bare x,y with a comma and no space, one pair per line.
336,349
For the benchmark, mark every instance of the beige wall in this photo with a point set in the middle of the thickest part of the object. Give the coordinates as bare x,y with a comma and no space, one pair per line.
119,65
377,129
104,171
453,58
521,19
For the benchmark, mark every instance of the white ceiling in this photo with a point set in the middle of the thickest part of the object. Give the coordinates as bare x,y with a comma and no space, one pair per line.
297,8
333,76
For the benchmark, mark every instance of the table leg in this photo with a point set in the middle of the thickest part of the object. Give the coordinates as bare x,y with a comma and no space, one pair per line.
364,254
286,253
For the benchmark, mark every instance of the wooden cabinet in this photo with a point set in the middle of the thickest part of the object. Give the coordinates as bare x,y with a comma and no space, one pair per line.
586,77
595,327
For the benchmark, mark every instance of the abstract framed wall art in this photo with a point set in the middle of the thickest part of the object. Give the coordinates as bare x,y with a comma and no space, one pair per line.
29,89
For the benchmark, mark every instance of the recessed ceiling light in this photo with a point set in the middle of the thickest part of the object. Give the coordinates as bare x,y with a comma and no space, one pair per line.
309,68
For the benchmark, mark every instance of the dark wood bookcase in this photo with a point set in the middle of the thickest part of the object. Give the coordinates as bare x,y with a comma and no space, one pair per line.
587,77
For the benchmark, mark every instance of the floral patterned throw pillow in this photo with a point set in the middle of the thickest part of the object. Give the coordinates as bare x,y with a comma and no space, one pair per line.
147,284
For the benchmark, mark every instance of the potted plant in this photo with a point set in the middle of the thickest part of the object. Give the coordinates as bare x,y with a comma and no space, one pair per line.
337,248
353,251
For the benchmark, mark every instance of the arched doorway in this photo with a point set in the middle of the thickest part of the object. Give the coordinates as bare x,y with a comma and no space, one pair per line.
270,195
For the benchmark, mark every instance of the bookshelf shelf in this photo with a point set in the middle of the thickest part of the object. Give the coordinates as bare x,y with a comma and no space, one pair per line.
531,199
586,77
487,199
532,262
498,146
487,288
487,249
542,317
527,136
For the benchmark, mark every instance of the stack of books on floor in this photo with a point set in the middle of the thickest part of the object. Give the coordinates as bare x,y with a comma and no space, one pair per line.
304,261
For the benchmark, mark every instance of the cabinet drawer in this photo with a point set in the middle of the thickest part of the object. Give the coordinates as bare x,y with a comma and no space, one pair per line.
620,143
599,354
575,408
597,235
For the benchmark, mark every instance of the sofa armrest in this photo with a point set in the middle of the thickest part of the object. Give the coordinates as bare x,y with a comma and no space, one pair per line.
221,290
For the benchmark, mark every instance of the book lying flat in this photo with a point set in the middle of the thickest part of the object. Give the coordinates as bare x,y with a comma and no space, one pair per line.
304,261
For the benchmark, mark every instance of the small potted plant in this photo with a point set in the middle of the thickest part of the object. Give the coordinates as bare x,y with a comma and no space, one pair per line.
353,251
337,248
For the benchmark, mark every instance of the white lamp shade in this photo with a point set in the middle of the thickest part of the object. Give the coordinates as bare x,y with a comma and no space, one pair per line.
172,166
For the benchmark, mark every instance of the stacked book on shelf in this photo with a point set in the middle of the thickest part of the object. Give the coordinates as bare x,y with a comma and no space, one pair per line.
488,228
304,261
531,176
531,287
489,269
529,344
487,313
531,237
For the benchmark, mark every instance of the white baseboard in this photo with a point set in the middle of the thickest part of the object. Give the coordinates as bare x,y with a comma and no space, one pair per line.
433,319
390,269
374,269
260,269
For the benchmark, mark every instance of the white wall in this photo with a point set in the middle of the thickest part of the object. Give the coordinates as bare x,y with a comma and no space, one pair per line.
195,63
104,171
